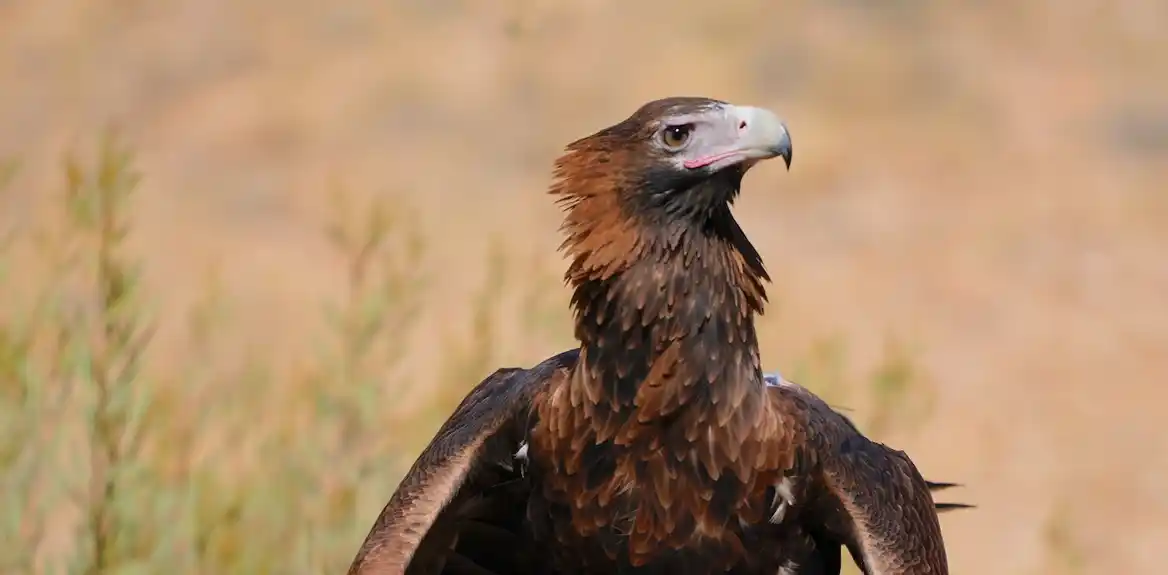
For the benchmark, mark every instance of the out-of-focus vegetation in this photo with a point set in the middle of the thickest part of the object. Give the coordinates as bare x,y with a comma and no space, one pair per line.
967,252
110,470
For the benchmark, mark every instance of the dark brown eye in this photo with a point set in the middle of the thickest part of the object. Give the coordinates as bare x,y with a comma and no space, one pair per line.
675,137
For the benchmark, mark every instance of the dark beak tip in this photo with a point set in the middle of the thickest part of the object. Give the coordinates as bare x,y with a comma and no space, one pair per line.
787,158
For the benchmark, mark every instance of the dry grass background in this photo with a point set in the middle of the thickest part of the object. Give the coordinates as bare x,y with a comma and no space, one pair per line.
967,253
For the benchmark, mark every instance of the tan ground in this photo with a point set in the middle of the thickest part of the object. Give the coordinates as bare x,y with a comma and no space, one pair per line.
988,182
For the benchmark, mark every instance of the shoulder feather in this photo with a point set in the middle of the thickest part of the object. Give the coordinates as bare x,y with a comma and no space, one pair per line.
882,508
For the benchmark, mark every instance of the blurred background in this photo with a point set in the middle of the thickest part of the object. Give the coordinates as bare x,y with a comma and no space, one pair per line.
254,252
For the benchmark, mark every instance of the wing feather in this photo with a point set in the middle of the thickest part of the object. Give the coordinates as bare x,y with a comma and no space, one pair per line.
419,525
869,497
894,525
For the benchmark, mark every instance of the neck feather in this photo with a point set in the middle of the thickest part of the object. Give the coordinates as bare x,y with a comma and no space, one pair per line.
664,310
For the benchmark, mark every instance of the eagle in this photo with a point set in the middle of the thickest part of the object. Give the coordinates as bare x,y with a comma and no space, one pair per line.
659,445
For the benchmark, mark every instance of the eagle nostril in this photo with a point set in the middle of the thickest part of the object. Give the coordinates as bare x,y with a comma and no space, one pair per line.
742,125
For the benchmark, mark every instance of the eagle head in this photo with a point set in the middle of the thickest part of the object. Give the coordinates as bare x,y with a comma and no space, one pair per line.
674,165
673,157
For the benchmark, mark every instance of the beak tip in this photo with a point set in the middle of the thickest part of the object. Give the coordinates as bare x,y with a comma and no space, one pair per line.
784,151
784,147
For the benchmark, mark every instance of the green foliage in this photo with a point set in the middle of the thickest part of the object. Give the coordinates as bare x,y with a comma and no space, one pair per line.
116,460
822,370
900,399
178,473
893,396
1064,555
8,170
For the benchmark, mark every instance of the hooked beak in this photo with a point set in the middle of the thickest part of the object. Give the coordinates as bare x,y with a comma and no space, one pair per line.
760,135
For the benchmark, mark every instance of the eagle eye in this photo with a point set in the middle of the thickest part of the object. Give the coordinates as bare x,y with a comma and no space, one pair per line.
676,136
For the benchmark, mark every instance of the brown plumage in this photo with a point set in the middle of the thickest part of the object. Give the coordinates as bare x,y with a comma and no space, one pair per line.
657,446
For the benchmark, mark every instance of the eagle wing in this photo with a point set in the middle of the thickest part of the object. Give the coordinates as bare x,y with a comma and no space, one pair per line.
890,520
862,495
461,505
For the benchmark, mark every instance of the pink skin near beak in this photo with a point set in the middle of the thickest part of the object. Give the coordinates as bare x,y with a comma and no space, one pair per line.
691,164
760,136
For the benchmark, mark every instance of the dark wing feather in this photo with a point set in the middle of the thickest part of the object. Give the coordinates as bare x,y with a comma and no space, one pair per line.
863,495
892,524
464,487
943,507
